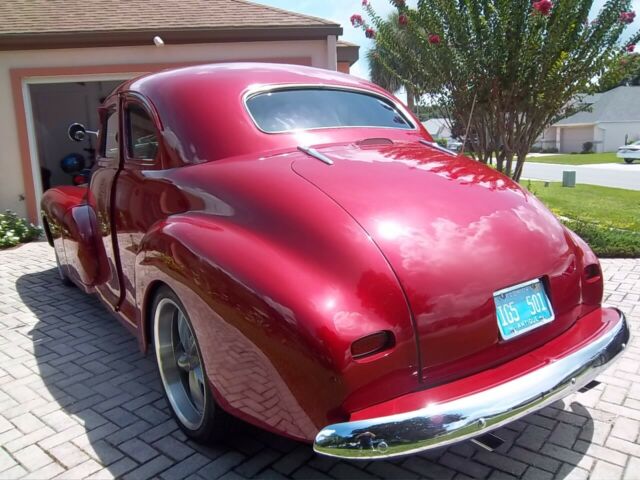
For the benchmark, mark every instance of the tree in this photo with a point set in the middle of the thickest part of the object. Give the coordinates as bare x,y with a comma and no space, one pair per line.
378,60
625,72
516,65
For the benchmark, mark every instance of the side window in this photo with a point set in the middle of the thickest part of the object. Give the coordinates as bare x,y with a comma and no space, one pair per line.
111,147
142,140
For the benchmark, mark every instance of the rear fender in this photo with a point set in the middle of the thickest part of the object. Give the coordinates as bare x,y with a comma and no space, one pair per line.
272,356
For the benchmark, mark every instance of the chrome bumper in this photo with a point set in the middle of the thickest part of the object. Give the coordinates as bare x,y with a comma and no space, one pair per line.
442,424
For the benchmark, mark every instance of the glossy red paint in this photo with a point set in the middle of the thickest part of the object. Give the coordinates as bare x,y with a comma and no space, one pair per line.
283,261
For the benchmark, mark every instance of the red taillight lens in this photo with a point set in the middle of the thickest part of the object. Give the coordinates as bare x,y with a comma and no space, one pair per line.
372,344
592,284
592,273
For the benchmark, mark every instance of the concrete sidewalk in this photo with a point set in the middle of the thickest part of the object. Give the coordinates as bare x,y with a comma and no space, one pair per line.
78,400
604,174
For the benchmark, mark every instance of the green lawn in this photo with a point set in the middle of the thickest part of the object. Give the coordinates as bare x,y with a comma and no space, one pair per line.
579,159
607,218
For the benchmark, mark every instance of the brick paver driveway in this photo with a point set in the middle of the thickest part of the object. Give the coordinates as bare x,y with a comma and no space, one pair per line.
78,400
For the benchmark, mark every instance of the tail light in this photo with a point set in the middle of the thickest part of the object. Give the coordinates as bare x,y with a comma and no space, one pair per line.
592,273
592,284
372,344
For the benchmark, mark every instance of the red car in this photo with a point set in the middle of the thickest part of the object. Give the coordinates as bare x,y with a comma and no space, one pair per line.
300,254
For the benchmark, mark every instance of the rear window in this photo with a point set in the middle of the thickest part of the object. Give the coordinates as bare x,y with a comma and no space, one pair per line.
303,109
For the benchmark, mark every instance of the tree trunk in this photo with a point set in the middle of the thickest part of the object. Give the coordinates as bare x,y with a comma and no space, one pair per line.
519,166
411,101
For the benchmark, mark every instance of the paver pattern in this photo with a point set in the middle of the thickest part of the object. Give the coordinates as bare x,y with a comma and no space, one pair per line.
78,400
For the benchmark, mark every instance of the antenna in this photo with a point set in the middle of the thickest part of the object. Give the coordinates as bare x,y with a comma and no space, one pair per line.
466,133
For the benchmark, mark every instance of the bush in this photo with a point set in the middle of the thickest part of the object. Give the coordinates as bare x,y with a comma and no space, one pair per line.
587,147
608,242
535,149
15,230
550,150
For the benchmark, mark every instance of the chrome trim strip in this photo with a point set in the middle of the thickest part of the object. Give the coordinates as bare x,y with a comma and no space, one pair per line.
253,91
312,152
437,425
438,147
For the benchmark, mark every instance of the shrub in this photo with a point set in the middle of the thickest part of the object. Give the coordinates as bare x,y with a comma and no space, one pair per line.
550,150
606,241
535,149
587,147
15,230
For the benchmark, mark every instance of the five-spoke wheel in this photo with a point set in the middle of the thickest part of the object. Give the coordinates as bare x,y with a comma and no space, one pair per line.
181,368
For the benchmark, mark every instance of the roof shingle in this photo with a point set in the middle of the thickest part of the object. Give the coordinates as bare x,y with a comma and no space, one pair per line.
20,17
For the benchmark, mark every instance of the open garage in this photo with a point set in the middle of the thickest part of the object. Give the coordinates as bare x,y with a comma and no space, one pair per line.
58,59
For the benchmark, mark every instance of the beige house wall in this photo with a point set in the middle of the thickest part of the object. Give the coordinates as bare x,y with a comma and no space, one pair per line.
13,178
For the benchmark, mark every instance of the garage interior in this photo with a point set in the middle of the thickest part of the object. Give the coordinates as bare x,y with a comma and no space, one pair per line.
55,106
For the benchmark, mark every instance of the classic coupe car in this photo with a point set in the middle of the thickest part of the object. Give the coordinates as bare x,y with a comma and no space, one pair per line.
300,254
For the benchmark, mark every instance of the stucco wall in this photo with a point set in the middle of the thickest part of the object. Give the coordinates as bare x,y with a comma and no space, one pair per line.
613,135
11,174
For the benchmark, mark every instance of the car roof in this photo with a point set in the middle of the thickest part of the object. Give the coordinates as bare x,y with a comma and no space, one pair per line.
202,111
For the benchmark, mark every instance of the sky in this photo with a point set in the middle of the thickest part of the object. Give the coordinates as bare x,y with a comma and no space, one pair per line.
340,10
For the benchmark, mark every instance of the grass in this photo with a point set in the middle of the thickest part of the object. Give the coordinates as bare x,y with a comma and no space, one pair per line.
606,218
579,159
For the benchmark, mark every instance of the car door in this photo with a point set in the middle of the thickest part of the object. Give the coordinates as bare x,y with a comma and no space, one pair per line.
108,164
139,192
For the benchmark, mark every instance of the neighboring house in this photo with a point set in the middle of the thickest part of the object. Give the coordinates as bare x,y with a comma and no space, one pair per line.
59,59
438,128
612,118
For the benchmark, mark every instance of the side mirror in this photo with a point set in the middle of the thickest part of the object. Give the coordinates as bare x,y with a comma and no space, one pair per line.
77,132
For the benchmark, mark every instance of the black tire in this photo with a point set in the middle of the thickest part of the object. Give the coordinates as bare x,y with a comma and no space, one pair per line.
64,279
199,418
629,160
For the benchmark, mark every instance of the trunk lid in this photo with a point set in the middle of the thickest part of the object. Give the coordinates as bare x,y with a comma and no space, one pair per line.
454,231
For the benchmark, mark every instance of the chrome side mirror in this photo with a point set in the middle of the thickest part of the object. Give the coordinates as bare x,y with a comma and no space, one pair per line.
77,132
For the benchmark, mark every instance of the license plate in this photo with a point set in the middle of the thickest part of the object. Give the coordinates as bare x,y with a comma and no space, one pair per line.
521,308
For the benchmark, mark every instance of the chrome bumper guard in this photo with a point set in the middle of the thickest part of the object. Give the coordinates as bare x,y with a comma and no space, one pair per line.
446,423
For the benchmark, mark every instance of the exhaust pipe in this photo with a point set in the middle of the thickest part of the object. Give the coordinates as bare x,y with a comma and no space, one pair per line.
488,441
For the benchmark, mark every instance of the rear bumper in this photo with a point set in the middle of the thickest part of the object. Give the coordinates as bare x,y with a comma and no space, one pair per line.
468,416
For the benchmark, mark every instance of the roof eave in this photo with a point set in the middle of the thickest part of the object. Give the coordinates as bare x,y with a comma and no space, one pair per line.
49,40
348,53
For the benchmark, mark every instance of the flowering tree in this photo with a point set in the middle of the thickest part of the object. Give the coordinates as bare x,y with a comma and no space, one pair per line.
515,63
386,71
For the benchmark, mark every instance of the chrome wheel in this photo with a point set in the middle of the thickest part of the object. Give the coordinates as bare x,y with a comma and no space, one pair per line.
179,363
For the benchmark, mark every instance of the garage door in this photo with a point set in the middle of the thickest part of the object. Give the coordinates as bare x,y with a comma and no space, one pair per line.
572,138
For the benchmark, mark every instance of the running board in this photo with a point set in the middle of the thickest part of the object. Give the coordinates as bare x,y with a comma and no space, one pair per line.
488,441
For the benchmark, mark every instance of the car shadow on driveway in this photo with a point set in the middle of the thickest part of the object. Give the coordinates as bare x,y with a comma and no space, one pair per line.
104,403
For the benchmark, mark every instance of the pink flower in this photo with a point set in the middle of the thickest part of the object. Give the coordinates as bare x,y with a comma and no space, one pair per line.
434,39
543,7
370,33
365,3
630,48
627,17
356,20
403,19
